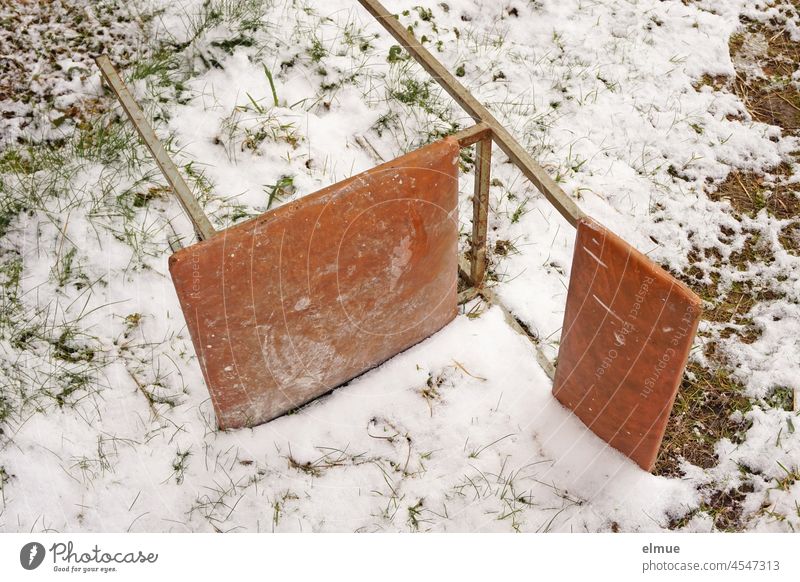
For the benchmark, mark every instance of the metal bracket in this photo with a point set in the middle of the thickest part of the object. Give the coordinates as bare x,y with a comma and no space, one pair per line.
500,135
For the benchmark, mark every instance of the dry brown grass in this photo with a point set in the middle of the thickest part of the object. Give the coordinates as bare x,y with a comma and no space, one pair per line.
731,304
749,193
717,82
701,417
723,507
789,238
772,97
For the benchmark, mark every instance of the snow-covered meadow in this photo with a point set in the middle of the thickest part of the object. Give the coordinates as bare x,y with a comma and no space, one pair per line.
638,108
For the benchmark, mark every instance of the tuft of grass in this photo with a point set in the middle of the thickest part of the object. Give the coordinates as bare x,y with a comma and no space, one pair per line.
780,398
217,503
476,452
268,74
415,515
414,93
329,459
430,392
251,125
141,199
317,50
280,190
396,54
10,276
74,383
64,268
791,477
180,464
520,211
307,467
153,384
279,507
67,349
504,248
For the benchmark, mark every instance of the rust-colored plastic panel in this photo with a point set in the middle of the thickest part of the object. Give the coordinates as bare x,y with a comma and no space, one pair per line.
628,329
287,306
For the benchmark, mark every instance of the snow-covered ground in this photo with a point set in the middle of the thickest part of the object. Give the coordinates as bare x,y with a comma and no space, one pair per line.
105,422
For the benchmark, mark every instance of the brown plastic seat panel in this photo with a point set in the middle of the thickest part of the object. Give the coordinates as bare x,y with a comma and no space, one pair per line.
287,306
628,328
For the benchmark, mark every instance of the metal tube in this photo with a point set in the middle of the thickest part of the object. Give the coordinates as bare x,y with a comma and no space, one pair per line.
190,205
504,140
480,210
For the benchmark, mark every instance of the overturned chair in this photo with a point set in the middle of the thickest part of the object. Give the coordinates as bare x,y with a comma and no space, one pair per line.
285,307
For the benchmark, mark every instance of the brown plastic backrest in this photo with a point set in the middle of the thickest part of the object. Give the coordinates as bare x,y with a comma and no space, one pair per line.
628,328
289,305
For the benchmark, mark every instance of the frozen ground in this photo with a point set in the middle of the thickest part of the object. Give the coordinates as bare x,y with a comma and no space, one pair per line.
640,111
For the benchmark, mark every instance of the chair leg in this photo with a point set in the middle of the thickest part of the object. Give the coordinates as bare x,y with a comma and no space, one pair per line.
480,210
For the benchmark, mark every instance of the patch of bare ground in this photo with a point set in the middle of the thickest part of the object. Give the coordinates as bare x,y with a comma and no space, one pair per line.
731,304
765,85
748,193
701,417
706,407
724,507
47,49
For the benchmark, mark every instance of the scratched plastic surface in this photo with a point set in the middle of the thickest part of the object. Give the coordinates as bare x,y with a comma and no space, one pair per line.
287,306
628,329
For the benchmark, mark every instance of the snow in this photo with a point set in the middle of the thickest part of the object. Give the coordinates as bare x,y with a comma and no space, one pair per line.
461,432
438,452
47,87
